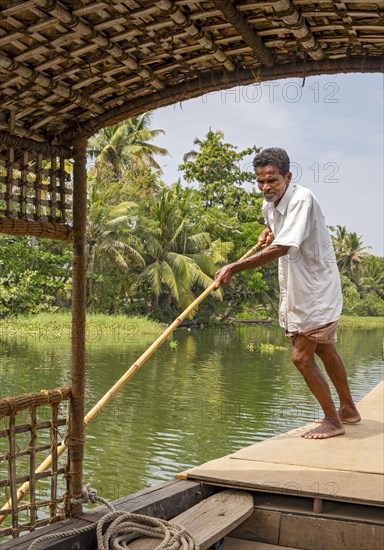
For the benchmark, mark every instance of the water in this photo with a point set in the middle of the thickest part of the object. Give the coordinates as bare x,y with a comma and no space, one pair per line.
207,395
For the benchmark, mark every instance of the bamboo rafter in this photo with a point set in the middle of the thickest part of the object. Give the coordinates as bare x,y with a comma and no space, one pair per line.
30,426
180,18
294,21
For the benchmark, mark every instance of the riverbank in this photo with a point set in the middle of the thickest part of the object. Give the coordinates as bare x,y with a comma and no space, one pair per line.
58,325
347,321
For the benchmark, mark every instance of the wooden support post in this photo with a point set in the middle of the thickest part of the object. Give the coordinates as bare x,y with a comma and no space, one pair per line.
75,439
13,474
317,505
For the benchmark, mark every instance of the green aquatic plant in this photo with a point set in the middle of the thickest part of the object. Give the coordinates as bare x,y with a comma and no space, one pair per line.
264,348
270,348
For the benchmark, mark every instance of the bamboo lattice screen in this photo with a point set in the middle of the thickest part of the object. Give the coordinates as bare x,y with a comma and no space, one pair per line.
32,426
35,190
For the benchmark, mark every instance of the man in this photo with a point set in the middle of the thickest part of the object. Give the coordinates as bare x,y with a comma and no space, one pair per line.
310,292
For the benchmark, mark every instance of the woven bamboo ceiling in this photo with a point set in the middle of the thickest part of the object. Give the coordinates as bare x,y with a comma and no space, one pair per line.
71,67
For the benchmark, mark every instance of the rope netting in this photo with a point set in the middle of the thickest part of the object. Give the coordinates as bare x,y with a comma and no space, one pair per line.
32,424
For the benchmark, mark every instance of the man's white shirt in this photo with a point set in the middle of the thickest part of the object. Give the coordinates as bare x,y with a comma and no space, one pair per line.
310,290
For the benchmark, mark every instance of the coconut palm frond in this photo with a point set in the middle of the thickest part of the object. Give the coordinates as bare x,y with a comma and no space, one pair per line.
199,241
181,266
220,251
169,278
205,262
152,274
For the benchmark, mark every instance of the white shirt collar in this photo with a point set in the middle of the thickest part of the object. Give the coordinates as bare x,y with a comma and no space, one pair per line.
282,206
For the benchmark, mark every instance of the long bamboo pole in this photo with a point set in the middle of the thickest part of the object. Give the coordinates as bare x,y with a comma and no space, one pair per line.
23,490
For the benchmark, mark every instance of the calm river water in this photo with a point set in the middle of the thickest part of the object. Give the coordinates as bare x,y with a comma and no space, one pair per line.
207,394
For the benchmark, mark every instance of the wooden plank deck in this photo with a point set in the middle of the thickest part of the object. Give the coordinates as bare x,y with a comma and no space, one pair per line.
241,544
346,468
208,521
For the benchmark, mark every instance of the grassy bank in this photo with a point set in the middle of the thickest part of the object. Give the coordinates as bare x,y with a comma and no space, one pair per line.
58,325
347,321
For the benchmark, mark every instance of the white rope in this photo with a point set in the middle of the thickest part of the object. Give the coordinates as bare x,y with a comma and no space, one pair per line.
116,530
124,527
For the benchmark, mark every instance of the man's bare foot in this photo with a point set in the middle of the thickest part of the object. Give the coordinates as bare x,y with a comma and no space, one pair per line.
347,414
325,430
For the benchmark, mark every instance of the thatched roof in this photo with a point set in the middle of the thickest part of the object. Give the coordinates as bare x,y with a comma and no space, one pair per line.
71,67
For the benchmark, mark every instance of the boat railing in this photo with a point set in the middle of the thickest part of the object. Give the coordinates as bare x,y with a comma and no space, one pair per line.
32,425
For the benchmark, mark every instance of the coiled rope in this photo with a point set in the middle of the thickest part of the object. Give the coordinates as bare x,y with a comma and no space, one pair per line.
116,529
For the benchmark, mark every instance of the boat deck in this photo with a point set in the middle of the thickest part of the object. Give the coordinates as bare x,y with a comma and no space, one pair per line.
348,468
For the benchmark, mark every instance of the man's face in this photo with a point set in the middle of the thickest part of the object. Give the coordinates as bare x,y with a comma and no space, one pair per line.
271,183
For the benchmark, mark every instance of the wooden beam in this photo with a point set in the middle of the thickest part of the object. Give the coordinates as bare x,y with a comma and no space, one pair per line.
45,230
251,38
26,144
76,439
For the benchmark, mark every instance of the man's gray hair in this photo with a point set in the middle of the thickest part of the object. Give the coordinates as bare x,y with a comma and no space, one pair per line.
274,156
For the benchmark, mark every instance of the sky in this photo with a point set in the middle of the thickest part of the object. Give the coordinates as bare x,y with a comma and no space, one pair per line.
330,125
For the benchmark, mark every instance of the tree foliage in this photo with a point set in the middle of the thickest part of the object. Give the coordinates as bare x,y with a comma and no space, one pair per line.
362,274
350,251
181,256
217,169
34,277
152,247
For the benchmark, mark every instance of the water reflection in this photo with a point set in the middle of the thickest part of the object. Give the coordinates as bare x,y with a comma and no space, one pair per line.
209,395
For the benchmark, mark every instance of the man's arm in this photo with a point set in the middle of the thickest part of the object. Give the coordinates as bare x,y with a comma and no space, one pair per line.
266,256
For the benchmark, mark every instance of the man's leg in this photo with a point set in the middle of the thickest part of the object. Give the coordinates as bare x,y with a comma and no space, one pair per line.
336,371
303,357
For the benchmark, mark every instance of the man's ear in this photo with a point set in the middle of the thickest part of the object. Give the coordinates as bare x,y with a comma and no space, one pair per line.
288,177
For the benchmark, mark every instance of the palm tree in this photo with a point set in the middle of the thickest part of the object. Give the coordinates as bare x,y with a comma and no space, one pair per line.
350,251
180,255
340,232
126,145
138,146
372,276
110,233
